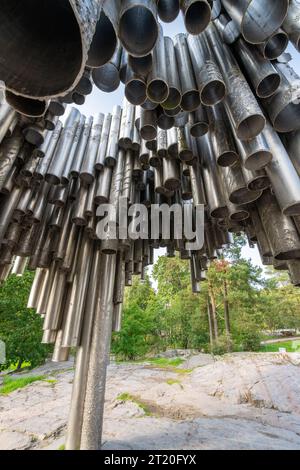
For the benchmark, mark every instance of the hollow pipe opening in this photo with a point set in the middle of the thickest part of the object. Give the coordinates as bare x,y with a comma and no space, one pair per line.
289,118
262,156
197,17
106,78
104,43
138,30
157,91
213,93
168,10
135,92
251,127
269,85
26,106
276,45
38,38
173,100
190,100
262,18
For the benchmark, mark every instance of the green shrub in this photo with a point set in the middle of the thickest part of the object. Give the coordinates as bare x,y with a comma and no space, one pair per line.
20,328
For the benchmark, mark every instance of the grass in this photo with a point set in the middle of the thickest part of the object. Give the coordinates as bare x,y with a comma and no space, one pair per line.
10,384
62,447
290,346
163,361
128,397
173,382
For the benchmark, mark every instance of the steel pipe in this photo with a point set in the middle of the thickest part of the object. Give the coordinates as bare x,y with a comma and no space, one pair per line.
37,30
190,95
197,15
257,19
138,27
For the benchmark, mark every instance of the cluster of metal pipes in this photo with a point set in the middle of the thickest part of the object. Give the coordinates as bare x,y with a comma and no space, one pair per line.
211,118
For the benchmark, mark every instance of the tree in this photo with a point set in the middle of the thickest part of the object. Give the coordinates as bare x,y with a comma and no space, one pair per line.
20,328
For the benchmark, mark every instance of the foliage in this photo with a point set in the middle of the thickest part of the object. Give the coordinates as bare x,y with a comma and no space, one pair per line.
290,346
20,328
10,384
246,301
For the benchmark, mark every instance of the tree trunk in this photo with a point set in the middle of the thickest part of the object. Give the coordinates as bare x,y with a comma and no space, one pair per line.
226,314
213,310
210,323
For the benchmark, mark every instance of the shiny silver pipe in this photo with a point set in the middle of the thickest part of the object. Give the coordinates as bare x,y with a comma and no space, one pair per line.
107,77
85,85
184,151
158,180
100,159
128,171
212,179
274,46
72,159
222,138
172,142
236,186
157,82
227,28
26,71
141,65
246,115
138,27
256,153
256,180
292,144
171,174
294,272
123,66
168,10
7,116
174,97
103,186
113,141
8,206
262,239
127,125
284,107
50,121
198,122
190,95
261,73
48,151
26,106
104,41
87,169
34,134
257,20
82,357
280,229
57,107
99,357
236,213
78,216
209,79
56,167
197,15
162,143
75,310
164,122
283,176
9,150
135,87
291,23
148,125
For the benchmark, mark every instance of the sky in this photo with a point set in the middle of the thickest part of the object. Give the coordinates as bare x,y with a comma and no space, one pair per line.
104,102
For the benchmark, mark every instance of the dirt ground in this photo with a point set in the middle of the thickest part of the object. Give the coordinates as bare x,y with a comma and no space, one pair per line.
238,401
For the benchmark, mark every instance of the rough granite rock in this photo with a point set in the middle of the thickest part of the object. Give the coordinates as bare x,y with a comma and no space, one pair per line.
238,401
